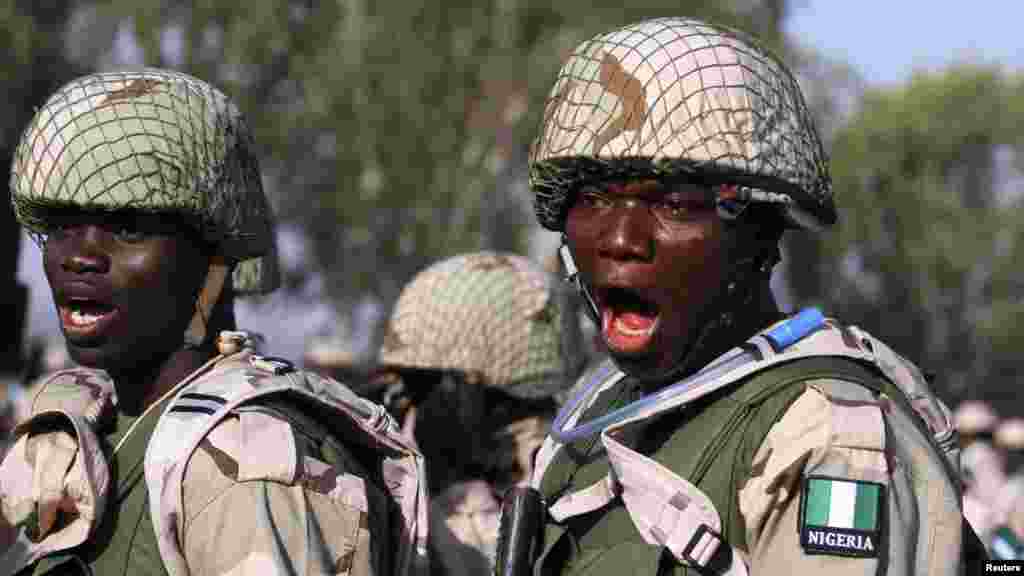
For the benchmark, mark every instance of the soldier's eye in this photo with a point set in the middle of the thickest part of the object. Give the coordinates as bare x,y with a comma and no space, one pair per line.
672,210
129,234
55,231
593,197
129,230
59,226
679,206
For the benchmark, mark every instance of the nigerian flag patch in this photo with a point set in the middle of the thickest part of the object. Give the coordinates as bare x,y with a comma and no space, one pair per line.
841,516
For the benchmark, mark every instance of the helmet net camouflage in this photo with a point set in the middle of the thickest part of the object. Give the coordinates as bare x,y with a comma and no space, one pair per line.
155,141
676,96
491,314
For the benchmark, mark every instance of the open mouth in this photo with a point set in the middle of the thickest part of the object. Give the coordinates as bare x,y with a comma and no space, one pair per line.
628,319
85,317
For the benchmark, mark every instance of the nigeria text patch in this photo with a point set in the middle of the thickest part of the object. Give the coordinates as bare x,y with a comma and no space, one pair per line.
841,516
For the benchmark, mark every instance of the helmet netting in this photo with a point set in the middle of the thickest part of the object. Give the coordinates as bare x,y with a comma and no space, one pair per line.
492,314
152,141
672,96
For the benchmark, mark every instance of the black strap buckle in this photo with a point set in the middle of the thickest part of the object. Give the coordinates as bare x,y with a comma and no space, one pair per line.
695,539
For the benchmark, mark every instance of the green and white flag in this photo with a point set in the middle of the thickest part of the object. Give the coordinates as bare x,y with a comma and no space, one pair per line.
841,516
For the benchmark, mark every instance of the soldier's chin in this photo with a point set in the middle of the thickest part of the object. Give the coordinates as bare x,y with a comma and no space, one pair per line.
89,354
101,354
653,368
637,363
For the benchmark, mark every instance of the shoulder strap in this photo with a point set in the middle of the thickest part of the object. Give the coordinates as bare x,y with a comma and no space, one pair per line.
245,384
854,370
602,377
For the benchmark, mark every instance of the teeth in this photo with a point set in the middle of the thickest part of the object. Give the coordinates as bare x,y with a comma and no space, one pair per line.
84,318
622,328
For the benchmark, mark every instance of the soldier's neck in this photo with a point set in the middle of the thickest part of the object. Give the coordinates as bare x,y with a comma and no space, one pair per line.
139,387
761,313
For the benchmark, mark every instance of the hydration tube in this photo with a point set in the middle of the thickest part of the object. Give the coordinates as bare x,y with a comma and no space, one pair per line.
781,337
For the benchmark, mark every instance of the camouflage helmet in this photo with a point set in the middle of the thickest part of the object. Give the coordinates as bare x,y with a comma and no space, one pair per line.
974,417
675,96
492,314
149,140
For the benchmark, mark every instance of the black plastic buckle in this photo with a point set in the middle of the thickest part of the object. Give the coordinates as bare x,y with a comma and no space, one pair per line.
695,539
272,364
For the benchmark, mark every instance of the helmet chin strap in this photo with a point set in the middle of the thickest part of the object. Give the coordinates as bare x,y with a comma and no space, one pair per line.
213,286
572,275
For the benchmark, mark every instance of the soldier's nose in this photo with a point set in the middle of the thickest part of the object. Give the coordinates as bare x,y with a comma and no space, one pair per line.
628,235
83,250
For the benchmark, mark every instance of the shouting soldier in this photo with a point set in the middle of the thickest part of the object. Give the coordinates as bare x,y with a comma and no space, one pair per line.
723,437
143,192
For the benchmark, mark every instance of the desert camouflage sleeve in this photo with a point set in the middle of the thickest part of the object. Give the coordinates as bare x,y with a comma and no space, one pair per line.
836,448
241,517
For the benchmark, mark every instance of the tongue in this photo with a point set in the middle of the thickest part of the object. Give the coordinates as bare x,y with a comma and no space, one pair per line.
627,332
633,320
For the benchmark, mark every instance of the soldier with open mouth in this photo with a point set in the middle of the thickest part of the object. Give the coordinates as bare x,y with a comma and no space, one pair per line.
723,436
176,448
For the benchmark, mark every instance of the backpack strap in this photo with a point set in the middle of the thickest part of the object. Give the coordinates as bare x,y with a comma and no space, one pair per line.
245,384
604,376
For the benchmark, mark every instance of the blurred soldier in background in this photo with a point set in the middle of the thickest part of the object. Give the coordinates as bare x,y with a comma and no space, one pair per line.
332,356
475,351
725,437
982,466
143,192
1007,540
16,391
1009,437
50,356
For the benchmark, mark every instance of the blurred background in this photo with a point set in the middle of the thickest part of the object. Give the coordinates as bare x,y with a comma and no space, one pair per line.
393,134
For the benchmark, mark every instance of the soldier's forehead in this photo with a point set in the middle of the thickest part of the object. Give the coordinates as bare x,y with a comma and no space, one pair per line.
169,223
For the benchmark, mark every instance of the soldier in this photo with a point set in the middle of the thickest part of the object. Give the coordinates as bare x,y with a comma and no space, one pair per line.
476,349
1007,540
724,437
975,420
982,466
1009,437
143,191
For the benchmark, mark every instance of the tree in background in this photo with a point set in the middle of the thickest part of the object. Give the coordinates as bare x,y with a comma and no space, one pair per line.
928,180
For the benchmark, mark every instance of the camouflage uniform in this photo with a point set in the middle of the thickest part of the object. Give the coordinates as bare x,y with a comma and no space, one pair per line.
736,480
246,466
497,319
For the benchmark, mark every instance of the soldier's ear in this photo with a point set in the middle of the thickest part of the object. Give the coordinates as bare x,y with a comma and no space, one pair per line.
214,291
